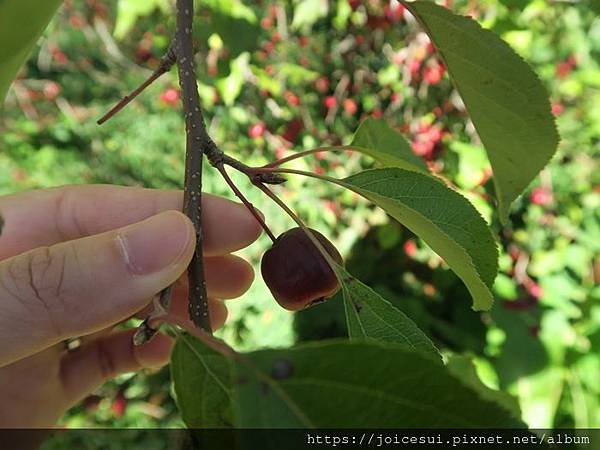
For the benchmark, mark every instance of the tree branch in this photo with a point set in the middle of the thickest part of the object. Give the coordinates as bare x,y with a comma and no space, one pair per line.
198,142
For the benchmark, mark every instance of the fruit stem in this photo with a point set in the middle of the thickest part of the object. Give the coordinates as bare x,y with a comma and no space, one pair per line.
166,62
245,201
297,172
304,153
332,263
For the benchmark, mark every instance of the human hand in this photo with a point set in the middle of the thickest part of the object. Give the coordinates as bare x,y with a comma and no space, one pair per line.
75,261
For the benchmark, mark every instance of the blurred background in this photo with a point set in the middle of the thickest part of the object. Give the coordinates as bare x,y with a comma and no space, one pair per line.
280,76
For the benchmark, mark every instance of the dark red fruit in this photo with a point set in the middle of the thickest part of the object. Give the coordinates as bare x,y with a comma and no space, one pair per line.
296,272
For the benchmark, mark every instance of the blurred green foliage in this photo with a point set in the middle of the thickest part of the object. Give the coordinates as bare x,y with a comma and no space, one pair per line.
280,76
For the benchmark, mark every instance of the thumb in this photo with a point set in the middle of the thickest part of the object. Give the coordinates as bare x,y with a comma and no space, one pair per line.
82,286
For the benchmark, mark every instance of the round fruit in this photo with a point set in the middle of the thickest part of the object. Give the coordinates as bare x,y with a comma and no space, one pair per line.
297,273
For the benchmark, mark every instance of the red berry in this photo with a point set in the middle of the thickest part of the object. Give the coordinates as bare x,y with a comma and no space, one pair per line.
350,106
119,405
394,11
423,148
170,97
292,130
322,84
410,248
535,290
296,273
76,21
354,4
268,47
434,134
558,108
257,130
563,69
396,97
303,41
414,67
266,23
424,127
59,57
51,90
432,75
291,98
541,196
330,102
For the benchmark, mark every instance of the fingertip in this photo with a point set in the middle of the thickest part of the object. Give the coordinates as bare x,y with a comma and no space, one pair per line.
245,276
228,226
156,353
218,314
249,228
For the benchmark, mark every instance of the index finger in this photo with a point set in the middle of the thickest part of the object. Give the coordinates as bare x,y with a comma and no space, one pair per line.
49,216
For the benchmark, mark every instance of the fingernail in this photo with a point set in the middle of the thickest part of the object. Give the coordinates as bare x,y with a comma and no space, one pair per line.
155,243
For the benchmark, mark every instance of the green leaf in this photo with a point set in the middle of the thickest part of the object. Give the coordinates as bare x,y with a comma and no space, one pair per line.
375,138
295,74
504,97
129,11
202,381
472,164
21,24
230,87
308,12
231,8
358,385
235,23
444,219
369,315
463,368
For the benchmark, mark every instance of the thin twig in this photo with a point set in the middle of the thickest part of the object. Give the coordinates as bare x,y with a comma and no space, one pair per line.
149,327
304,173
304,153
245,201
165,65
332,263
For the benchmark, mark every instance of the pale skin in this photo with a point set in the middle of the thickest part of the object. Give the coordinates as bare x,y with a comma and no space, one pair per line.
75,261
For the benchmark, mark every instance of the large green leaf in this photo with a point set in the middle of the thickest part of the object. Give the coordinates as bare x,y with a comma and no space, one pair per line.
356,384
327,384
371,316
375,138
504,97
441,217
462,367
21,24
202,380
